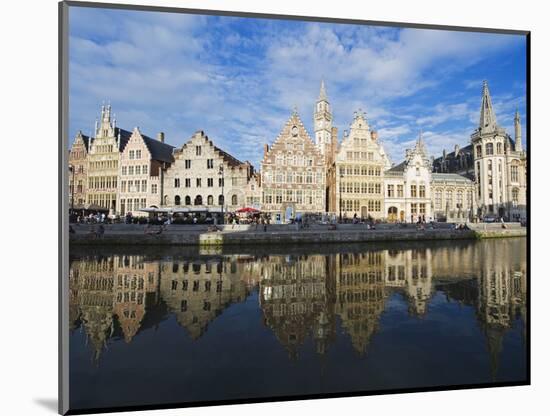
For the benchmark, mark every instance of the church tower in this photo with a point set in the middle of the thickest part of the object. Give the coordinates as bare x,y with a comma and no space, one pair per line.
491,145
322,121
517,132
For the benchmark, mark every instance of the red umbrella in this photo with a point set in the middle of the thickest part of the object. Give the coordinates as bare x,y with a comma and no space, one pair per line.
247,209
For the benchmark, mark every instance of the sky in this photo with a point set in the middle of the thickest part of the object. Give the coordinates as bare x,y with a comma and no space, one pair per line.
238,79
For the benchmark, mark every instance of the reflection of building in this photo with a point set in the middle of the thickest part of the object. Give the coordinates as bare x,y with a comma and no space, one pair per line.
294,300
78,170
135,279
357,175
198,291
502,296
142,165
302,296
360,295
94,293
205,178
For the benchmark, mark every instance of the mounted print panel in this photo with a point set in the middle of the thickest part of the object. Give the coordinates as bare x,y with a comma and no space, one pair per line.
261,208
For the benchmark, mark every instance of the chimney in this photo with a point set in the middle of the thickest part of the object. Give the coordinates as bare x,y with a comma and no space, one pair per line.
374,135
456,150
160,137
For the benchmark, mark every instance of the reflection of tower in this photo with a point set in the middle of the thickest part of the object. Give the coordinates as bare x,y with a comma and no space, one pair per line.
360,295
501,294
293,298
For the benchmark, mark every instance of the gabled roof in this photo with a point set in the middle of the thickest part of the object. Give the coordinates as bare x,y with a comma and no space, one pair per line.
450,177
124,137
231,160
398,168
159,151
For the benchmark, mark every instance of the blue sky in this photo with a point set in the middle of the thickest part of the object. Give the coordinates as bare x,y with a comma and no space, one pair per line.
238,79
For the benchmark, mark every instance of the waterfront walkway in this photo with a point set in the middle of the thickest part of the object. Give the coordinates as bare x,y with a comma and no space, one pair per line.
133,234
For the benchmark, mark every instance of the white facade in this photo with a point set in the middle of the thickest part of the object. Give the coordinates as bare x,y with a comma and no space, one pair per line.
408,187
204,178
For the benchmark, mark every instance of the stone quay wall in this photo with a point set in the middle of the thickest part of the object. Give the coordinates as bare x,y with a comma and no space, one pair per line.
181,235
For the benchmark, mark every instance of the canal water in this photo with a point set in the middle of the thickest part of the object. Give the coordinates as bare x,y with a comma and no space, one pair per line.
161,326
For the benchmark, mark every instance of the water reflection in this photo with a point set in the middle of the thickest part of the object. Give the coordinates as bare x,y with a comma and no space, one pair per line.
300,295
183,325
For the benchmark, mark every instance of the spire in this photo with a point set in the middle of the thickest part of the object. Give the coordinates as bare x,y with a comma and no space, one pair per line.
323,92
487,119
517,132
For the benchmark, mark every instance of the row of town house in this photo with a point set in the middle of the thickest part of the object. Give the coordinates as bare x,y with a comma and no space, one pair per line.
121,171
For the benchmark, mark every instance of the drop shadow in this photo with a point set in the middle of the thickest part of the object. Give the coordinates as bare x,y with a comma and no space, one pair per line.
48,404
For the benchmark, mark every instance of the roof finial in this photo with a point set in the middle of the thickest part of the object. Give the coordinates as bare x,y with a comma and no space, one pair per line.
294,110
323,92
487,118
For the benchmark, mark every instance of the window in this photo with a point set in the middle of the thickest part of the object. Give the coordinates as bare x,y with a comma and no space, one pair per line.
176,182
413,191
220,200
198,200
198,150
210,200
459,200
130,170
188,200
234,200
144,186
515,196
413,209
124,170
422,191
131,155
138,170
209,163
489,149
154,188
188,182
514,173
400,191
220,182
199,182
478,150
210,182
187,163
499,148
177,200
438,199
449,198
145,169
138,154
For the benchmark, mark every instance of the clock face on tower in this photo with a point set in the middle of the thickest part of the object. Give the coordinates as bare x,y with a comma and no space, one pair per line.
294,131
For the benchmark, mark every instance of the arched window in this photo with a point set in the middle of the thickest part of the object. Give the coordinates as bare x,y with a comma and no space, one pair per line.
187,200
221,200
489,149
210,200
198,200
165,199
177,200
234,200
